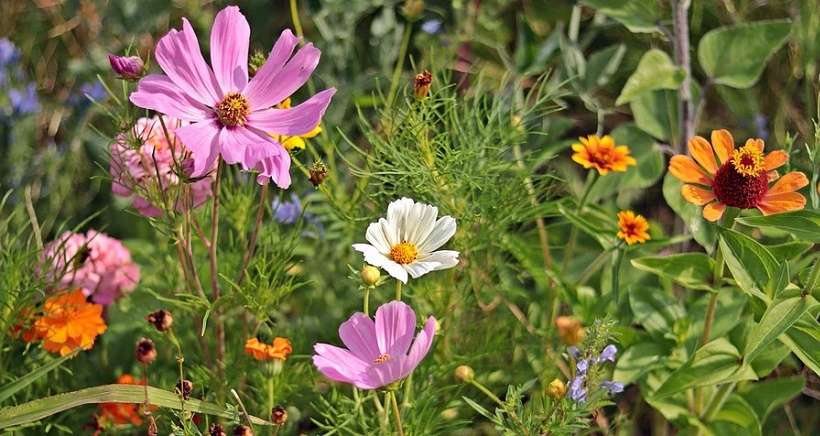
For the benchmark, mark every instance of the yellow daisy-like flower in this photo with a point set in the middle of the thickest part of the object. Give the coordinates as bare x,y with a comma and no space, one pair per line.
602,154
69,322
279,350
720,176
632,228
292,143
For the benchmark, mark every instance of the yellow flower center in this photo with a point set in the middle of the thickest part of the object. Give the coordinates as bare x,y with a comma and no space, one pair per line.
381,359
233,110
404,252
748,161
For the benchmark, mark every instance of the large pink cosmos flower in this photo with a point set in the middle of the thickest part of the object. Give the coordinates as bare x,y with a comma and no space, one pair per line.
134,171
378,353
231,116
95,262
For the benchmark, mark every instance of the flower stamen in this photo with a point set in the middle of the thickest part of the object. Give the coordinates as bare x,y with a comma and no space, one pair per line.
233,110
748,162
381,359
404,252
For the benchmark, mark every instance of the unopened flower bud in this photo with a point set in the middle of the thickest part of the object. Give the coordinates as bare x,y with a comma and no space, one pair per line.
279,415
127,67
257,60
216,430
464,374
161,320
412,9
556,389
318,173
146,352
185,387
421,84
570,330
242,430
370,275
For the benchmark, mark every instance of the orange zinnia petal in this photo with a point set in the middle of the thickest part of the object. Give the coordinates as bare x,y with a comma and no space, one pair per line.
788,183
788,201
775,160
700,149
695,195
686,170
713,211
755,143
723,143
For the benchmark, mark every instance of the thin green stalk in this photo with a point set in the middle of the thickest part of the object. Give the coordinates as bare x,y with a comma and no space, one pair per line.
718,400
395,404
616,277
398,290
366,302
573,235
394,81
501,404
294,16
592,268
270,392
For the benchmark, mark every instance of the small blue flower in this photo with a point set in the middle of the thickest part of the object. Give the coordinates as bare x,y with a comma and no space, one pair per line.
613,387
9,53
24,102
577,391
574,351
582,366
287,212
431,26
608,353
94,91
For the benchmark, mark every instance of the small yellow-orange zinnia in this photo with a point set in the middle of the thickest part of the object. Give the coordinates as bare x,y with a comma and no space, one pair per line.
737,178
602,154
279,350
632,228
69,322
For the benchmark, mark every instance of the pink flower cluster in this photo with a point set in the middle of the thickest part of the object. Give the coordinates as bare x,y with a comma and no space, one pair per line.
150,171
95,262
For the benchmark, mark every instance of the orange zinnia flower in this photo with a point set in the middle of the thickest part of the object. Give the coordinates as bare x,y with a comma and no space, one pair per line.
602,154
279,350
69,322
632,228
570,330
738,178
121,413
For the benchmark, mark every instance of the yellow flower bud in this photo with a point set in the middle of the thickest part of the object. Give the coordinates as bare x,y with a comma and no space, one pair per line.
556,389
370,275
464,374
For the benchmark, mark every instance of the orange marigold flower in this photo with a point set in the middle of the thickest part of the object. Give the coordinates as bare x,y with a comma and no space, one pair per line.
720,176
279,350
69,322
632,228
570,330
121,413
602,154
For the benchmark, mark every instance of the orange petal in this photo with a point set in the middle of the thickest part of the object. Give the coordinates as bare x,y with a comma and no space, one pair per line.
775,160
773,175
700,149
788,183
695,195
755,143
723,143
686,170
772,204
713,211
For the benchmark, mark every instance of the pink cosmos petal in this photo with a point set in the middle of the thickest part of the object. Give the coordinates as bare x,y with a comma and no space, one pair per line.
229,49
395,326
280,54
424,340
283,77
179,56
359,335
337,363
203,141
271,160
159,93
297,120
234,142
397,368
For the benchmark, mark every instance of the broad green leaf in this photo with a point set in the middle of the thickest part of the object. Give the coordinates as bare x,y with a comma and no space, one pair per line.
803,339
41,408
602,64
704,232
778,318
731,304
716,362
803,224
767,395
655,71
751,264
692,270
770,358
10,389
736,417
639,16
656,113
637,360
655,310
736,55
789,250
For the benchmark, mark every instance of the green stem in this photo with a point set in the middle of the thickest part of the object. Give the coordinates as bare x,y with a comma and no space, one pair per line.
501,404
718,400
395,404
394,81
592,268
616,277
366,302
573,234
398,290
270,393
294,16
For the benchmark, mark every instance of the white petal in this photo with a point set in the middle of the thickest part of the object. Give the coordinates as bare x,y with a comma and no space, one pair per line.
376,237
372,255
443,259
396,271
420,268
397,213
423,218
444,229
390,232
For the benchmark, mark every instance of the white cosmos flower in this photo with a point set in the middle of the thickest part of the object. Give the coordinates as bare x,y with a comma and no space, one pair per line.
406,242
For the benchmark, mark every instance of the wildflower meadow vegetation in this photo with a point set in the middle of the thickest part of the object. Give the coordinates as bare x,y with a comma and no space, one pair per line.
409,217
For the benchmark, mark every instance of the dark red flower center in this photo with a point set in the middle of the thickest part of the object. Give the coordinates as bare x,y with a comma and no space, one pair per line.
737,190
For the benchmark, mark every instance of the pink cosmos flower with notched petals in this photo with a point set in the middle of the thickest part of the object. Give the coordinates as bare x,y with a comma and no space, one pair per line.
230,115
378,353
